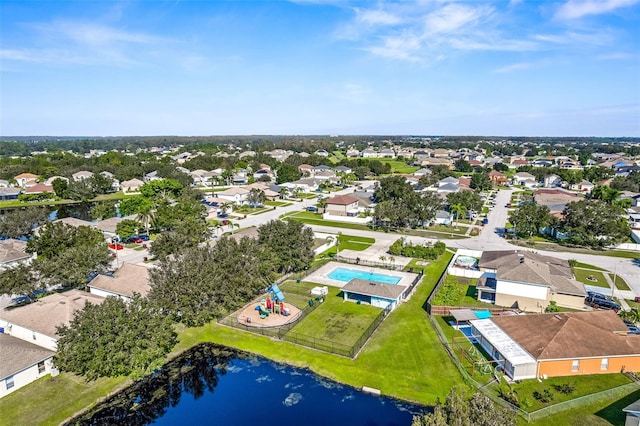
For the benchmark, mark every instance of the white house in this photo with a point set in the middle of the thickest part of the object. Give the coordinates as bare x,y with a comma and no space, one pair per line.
22,363
369,153
552,181
525,179
81,175
385,296
132,185
124,282
36,322
234,195
25,180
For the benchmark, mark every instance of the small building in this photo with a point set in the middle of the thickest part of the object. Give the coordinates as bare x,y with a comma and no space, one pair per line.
132,185
380,295
81,175
22,363
583,186
234,195
497,178
632,414
442,218
39,188
7,194
342,205
124,282
525,179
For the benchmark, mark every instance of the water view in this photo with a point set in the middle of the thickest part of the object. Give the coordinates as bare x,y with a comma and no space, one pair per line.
212,384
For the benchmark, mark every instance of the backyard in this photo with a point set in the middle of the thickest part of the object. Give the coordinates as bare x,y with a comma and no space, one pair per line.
349,242
458,291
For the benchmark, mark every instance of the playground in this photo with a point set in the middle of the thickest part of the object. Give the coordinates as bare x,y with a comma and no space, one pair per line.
269,311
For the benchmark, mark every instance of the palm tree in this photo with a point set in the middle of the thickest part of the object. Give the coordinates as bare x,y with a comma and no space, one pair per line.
225,207
146,219
383,258
459,209
283,192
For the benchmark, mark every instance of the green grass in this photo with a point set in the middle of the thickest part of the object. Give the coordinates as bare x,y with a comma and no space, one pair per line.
349,242
605,412
407,362
277,203
459,291
316,219
52,400
582,274
584,385
619,282
339,155
336,320
396,165
632,303
587,266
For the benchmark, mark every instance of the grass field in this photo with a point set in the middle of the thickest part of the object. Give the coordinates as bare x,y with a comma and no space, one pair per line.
52,400
316,219
396,166
339,155
620,283
584,385
336,320
350,242
277,203
582,274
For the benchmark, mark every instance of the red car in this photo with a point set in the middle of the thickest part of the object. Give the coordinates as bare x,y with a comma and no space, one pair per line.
116,246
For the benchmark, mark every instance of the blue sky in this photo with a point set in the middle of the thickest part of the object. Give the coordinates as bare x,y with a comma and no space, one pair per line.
430,67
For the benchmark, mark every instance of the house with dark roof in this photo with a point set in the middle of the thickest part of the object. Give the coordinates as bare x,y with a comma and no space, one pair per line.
123,283
528,281
381,295
559,344
342,205
22,363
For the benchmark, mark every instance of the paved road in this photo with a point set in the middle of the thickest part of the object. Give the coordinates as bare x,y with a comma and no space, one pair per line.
488,239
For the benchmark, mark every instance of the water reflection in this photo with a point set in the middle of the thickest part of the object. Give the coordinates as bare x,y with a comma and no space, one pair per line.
194,372
248,390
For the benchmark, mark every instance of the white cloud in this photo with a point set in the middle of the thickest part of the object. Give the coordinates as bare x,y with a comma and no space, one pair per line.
454,17
513,67
574,9
377,17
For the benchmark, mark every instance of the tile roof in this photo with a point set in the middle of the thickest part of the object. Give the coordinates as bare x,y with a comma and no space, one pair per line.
17,354
125,281
56,309
569,335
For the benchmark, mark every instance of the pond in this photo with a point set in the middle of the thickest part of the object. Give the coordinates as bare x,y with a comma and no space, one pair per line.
212,384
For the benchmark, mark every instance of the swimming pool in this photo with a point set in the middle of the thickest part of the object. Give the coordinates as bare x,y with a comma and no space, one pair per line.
346,275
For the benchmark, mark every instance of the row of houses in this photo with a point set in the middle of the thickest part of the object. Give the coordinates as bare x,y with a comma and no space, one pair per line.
28,338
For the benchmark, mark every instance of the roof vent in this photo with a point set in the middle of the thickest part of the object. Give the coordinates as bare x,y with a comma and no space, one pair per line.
372,283
558,317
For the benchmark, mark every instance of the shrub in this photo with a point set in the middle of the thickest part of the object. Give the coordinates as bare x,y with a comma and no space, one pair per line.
544,396
565,388
427,252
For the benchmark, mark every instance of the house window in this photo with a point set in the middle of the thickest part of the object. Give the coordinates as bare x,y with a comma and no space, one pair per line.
9,382
575,365
604,364
41,367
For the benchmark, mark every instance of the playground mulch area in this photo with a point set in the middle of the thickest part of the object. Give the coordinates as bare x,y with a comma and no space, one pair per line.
251,318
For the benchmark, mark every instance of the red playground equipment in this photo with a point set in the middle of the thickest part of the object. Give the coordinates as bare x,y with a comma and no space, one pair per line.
273,304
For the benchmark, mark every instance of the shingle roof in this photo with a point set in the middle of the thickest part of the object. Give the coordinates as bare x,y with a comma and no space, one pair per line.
56,309
527,267
570,335
17,354
12,250
127,280
342,200
373,288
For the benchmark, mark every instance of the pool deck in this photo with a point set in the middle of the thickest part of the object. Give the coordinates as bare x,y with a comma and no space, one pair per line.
320,276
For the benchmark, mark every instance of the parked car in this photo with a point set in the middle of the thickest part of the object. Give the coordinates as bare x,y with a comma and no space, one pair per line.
604,304
485,221
144,237
593,294
116,246
312,209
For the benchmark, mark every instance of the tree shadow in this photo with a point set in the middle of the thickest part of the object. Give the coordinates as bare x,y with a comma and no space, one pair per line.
613,412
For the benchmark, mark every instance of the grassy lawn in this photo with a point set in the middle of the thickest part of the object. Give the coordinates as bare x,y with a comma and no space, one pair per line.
611,253
583,385
632,303
277,203
587,266
396,165
316,219
404,361
582,274
606,412
52,400
620,283
336,320
459,291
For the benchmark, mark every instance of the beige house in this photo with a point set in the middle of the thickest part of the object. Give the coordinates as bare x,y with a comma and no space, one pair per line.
528,281
22,363
342,205
132,185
